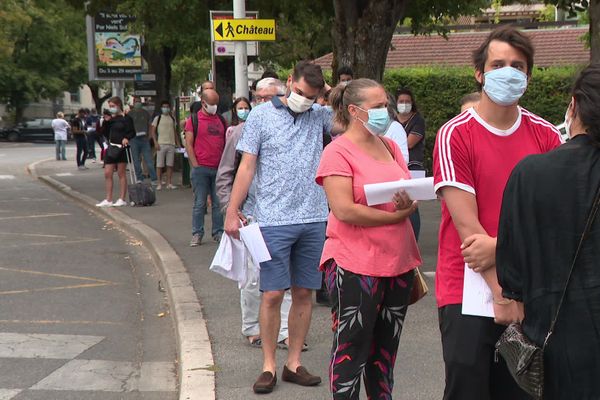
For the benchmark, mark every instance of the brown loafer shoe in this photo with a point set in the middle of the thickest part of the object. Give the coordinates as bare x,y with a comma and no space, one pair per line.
265,383
301,377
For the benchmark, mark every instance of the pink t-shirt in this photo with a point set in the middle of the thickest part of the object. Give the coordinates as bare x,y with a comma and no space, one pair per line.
475,157
210,140
387,250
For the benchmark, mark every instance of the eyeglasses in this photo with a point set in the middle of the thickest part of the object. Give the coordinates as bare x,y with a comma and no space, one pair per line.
262,99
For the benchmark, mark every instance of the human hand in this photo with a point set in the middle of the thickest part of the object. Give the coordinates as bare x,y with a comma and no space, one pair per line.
157,147
232,223
505,314
242,218
479,252
125,142
402,201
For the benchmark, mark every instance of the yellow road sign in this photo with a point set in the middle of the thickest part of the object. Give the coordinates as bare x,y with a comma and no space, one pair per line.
244,29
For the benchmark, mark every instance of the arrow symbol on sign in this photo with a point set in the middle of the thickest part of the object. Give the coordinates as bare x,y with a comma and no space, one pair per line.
219,29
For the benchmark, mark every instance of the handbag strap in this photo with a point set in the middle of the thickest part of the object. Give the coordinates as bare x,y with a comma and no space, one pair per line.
387,146
586,231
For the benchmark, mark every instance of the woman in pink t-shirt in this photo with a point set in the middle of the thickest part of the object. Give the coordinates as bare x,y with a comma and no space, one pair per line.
370,253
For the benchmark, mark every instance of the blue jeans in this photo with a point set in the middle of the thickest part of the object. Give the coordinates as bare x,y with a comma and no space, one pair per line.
140,146
61,148
415,220
203,183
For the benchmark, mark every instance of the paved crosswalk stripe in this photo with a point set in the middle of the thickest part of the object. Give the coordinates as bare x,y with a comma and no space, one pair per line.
65,174
7,177
110,376
7,394
20,345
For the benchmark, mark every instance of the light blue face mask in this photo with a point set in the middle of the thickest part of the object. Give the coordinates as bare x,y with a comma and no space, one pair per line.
505,86
243,114
379,120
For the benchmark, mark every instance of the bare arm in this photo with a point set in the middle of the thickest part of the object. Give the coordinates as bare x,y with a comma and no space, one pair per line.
241,184
153,136
341,201
413,140
189,146
464,211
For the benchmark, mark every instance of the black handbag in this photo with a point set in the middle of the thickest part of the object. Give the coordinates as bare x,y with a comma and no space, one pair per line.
114,152
524,359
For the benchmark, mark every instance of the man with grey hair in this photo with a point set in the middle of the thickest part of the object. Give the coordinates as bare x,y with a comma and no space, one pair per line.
266,89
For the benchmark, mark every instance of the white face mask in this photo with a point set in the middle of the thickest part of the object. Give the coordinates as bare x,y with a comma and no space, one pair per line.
404,108
298,103
210,109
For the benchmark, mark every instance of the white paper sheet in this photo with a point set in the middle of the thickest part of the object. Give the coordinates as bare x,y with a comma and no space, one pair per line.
255,243
417,189
477,295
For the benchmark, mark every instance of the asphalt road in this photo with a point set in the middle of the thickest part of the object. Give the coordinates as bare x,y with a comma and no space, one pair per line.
419,371
81,316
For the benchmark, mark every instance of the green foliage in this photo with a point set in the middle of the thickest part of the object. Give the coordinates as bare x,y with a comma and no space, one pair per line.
42,50
438,91
188,72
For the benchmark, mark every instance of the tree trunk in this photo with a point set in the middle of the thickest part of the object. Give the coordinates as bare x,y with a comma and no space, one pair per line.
594,11
159,60
362,33
98,101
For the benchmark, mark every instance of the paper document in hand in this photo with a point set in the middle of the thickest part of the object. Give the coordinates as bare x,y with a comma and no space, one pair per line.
417,174
477,295
417,189
255,243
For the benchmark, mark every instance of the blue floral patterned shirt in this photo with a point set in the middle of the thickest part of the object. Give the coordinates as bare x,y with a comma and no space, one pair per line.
288,147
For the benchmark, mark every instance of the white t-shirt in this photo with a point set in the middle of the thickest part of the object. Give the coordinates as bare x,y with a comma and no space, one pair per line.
397,133
60,128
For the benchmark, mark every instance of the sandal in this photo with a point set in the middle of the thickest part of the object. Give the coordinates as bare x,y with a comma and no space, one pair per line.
256,342
284,346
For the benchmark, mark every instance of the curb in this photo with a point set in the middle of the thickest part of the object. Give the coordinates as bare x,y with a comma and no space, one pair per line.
196,364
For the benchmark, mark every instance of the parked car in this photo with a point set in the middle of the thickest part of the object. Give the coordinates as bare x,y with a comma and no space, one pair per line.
35,129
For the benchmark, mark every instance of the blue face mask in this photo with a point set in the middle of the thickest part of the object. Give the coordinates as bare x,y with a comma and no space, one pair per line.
505,86
243,114
379,120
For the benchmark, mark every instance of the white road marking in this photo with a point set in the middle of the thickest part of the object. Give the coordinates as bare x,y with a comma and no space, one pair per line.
7,177
64,174
22,345
7,394
33,234
51,215
429,274
110,376
22,199
20,245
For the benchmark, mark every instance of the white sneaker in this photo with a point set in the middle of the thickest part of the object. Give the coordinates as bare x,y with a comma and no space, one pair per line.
159,187
105,203
120,203
171,187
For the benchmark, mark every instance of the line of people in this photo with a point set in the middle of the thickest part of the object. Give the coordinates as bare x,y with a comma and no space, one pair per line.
309,201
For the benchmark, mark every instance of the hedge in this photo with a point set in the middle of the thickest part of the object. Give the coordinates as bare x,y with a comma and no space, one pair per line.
438,91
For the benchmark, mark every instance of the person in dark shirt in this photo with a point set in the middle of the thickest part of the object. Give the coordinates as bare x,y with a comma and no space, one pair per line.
414,125
118,130
78,129
545,208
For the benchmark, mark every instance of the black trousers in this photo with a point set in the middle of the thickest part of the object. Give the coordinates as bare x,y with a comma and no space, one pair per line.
81,142
472,372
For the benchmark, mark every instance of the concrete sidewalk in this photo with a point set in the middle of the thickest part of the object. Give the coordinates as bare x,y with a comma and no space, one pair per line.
419,370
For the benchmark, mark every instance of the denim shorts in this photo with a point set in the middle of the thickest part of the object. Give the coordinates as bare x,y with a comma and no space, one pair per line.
295,255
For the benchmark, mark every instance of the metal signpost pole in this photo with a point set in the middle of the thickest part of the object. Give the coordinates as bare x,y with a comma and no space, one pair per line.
241,54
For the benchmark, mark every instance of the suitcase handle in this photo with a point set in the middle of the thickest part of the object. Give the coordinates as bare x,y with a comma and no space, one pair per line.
130,166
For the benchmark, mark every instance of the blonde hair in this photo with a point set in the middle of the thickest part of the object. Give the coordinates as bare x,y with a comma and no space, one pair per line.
344,95
60,114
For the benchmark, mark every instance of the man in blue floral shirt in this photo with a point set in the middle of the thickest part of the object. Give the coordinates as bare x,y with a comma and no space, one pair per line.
281,143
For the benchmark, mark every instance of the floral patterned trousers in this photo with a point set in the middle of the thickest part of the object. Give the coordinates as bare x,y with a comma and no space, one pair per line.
368,315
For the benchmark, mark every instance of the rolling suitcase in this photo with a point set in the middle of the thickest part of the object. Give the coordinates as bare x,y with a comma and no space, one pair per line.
141,193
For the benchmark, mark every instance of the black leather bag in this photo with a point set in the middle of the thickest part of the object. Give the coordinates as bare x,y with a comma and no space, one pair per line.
114,152
525,359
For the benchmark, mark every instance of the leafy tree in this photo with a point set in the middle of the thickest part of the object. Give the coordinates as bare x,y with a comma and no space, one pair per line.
42,51
363,29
